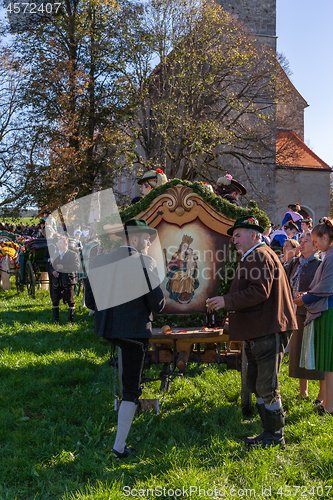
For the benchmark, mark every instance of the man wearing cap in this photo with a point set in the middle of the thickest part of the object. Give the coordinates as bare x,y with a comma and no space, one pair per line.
261,313
130,293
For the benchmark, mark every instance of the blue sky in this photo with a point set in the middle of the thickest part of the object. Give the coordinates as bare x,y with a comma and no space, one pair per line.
304,30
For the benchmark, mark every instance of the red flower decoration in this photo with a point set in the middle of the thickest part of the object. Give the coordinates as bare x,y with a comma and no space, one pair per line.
158,170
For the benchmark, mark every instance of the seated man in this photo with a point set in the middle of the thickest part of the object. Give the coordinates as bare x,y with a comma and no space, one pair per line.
230,189
150,180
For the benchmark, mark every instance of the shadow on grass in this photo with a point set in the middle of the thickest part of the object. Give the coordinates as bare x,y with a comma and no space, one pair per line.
58,428
28,313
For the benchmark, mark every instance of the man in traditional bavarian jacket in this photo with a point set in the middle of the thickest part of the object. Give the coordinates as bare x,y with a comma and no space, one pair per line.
63,270
261,313
123,289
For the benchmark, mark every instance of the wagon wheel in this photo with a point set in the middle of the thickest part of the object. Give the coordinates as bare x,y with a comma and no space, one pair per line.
165,376
77,288
30,278
246,396
18,282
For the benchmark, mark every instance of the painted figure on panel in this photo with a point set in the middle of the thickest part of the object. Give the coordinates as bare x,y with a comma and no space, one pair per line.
182,272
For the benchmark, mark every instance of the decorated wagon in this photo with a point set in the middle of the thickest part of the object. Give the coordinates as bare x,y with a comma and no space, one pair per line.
33,265
192,224
9,258
33,269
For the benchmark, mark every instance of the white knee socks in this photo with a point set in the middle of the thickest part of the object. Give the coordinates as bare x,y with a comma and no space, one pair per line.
125,418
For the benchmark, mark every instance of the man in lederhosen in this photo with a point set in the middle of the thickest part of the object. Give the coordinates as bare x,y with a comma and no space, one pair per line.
64,271
123,289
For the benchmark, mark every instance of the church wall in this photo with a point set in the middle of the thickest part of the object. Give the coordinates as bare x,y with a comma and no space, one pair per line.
309,188
290,116
290,113
259,180
259,15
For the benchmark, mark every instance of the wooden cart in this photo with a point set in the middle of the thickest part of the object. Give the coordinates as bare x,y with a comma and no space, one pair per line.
32,266
185,219
176,349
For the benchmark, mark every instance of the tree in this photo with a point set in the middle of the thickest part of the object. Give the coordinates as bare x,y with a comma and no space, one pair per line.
17,150
212,94
177,83
75,99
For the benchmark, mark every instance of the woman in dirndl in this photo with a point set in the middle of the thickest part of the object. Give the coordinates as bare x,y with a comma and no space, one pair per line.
300,273
317,345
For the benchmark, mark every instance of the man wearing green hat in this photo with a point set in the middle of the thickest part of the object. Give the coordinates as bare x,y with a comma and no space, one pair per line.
123,289
261,314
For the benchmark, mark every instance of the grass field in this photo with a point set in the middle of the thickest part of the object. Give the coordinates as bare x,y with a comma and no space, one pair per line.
27,221
57,424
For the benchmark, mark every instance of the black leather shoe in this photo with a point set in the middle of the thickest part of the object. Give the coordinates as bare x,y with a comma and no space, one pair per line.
254,440
273,434
276,439
322,411
126,453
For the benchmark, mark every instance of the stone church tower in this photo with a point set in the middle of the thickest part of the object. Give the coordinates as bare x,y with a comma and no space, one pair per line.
259,16
300,175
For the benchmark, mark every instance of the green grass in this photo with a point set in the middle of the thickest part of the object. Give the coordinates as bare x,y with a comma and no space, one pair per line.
27,221
57,424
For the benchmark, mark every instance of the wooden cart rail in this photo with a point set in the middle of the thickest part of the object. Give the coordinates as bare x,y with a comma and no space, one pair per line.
176,349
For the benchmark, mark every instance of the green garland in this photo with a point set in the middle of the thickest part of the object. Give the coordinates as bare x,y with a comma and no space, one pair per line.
229,210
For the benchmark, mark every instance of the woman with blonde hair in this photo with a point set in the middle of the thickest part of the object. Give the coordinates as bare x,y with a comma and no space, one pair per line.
291,249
